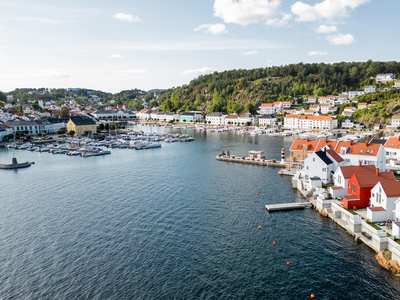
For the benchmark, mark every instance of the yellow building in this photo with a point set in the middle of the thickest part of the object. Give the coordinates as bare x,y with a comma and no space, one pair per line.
81,125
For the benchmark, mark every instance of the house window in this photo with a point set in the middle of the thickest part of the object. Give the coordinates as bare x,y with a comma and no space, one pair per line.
323,169
307,168
372,151
361,151
313,159
353,188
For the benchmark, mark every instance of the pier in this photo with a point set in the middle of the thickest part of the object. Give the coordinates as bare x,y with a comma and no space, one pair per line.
286,206
251,161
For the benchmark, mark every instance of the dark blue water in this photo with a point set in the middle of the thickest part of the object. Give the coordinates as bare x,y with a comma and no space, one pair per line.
172,223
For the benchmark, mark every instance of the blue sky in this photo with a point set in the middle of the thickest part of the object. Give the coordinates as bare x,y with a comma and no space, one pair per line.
117,45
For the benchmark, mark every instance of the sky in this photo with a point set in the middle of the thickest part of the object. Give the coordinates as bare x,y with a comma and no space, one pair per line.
158,44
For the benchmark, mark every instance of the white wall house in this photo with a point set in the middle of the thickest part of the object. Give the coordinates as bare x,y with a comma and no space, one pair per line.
348,111
216,118
291,121
310,100
267,120
392,149
384,77
245,118
231,120
396,84
395,121
267,109
348,123
322,165
364,153
384,194
353,94
369,89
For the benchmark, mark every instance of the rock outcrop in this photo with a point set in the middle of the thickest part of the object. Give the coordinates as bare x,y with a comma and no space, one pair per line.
384,259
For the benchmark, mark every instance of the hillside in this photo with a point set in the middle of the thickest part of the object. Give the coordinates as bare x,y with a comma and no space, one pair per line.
237,91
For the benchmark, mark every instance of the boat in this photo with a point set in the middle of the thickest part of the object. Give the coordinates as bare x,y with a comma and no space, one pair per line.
15,165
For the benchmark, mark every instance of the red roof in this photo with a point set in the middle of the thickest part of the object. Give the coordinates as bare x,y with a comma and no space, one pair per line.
370,179
348,171
392,188
393,142
376,208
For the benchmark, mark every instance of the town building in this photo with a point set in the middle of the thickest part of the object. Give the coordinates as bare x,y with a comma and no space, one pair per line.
267,120
81,125
384,77
369,89
383,195
216,118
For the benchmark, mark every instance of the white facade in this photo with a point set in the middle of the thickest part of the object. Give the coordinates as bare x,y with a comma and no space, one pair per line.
267,120
216,118
369,89
353,94
379,197
353,158
395,121
291,121
384,77
267,109
314,165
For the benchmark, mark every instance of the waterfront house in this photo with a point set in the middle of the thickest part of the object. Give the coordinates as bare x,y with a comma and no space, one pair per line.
392,148
28,127
317,122
216,118
360,185
246,118
231,120
267,120
190,117
383,195
322,164
349,123
4,131
81,125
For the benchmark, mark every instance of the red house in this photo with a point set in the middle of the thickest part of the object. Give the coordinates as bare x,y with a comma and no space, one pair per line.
359,188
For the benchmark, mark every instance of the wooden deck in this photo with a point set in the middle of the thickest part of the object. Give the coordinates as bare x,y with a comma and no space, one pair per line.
286,206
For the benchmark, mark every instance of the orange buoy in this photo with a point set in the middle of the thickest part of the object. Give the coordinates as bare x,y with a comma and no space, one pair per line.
259,227
261,179
288,263
257,194
312,296
274,243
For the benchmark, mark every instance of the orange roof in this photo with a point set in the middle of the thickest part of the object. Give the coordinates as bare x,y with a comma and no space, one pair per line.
348,171
316,118
370,179
393,142
359,148
267,105
325,104
286,102
392,188
350,107
277,102
314,145
292,116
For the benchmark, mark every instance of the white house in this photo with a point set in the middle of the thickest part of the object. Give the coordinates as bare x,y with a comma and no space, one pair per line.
348,111
348,123
395,121
392,148
291,121
321,164
267,109
396,84
353,94
384,77
384,194
231,120
310,100
343,174
286,104
362,105
245,118
364,153
216,118
315,107
325,108
267,120
369,89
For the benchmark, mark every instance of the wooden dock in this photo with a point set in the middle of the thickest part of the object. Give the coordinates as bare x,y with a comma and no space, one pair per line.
287,206
247,160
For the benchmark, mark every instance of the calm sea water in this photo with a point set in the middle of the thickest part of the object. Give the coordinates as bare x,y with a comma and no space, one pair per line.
172,223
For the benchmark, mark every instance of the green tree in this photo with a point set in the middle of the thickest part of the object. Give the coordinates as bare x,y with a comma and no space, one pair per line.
64,112
61,130
71,132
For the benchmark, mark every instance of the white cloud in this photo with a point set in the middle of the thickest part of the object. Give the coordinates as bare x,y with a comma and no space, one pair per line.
340,39
54,75
116,56
2,27
245,12
251,52
198,71
126,18
135,71
327,9
269,61
325,29
317,53
212,28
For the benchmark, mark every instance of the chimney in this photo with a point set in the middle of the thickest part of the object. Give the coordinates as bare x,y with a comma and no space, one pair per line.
359,164
366,142
307,139
351,142
326,139
377,172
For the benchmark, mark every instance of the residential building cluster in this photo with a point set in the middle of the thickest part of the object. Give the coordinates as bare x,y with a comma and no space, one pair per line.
356,170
